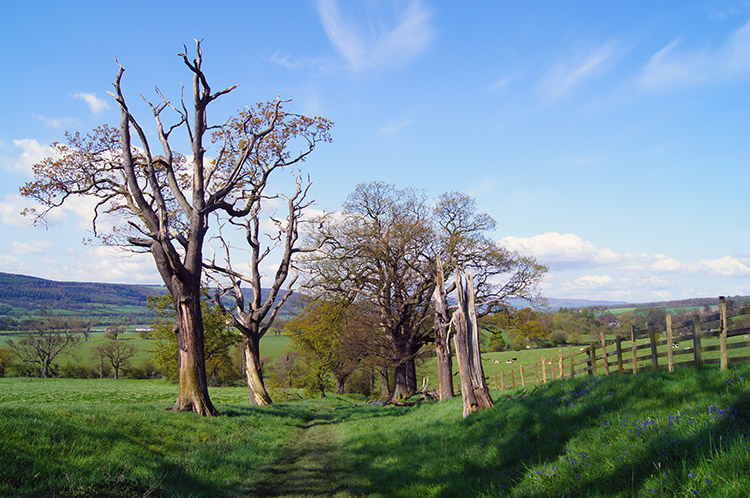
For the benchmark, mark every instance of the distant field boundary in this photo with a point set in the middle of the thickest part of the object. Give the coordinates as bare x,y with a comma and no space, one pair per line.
680,344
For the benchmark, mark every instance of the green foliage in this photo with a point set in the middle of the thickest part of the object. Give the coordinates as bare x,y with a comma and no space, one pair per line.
6,358
316,334
117,353
45,340
219,339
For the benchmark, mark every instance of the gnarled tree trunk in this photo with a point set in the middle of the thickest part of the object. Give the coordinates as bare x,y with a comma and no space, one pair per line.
442,337
254,372
474,390
405,374
193,394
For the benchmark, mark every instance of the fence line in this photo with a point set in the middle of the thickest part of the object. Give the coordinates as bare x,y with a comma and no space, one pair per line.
589,359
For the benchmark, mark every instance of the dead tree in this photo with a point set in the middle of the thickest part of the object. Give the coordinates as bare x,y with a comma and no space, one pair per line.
442,336
255,316
474,390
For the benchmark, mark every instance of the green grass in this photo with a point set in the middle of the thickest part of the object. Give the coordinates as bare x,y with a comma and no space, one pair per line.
650,434
64,437
653,434
82,352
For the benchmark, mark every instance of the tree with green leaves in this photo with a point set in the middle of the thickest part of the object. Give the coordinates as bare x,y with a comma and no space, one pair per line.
383,248
117,353
44,341
6,358
335,339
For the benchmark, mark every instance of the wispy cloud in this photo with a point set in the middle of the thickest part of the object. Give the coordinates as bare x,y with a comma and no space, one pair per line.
675,67
394,127
57,122
373,42
293,63
577,69
34,247
96,104
502,84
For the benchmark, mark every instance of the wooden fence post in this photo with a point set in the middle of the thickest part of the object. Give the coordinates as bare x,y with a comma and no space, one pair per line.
523,378
724,324
654,354
670,344
560,356
697,354
502,380
536,372
618,344
544,370
634,349
592,356
513,378
604,352
572,366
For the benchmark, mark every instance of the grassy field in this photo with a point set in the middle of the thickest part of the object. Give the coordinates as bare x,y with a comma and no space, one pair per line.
652,434
82,352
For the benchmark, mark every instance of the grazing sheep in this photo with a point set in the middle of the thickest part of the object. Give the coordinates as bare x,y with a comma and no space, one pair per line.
495,361
508,361
676,345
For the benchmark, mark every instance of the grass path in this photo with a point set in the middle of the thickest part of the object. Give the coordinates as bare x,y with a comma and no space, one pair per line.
312,464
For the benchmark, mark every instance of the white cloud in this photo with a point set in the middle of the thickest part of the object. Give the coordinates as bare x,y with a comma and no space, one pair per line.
35,247
374,42
726,266
32,152
557,249
10,264
570,251
106,264
12,205
576,70
675,67
589,281
96,104
578,269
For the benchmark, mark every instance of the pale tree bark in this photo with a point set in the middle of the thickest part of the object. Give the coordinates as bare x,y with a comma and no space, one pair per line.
442,336
474,390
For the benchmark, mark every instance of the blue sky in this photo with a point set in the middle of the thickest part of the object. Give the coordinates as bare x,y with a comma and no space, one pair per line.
611,141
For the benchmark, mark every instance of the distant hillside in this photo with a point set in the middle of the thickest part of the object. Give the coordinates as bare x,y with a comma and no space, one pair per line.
554,304
21,291
695,302
21,294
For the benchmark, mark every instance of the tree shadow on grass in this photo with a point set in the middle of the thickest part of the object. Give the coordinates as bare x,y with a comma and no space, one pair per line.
45,455
521,448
